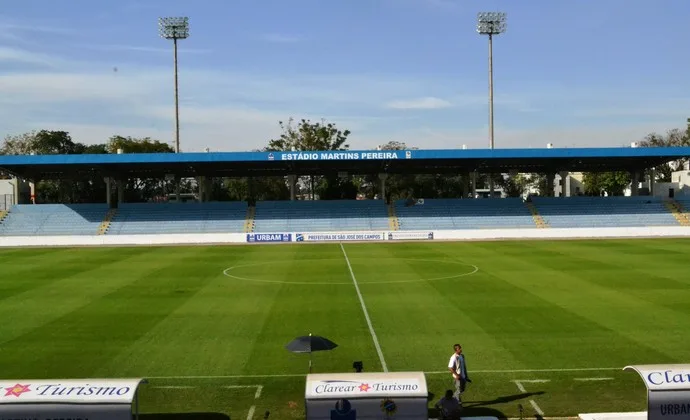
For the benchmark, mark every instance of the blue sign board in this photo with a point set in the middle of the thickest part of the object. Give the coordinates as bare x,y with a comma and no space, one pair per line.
269,237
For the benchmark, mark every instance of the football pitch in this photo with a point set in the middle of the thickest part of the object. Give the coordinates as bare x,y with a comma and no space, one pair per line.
545,325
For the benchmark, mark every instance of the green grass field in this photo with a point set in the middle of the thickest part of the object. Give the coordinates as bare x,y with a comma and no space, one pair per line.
555,312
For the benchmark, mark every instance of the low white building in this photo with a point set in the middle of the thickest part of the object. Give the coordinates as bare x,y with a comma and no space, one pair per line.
13,191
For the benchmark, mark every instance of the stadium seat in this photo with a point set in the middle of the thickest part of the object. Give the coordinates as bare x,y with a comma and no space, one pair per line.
53,219
194,217
439,214
604,211
320,216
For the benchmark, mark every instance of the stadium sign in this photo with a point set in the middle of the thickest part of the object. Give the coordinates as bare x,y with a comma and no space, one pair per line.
668,390
269,237
340,236
342,155
407,236
398,395
109,399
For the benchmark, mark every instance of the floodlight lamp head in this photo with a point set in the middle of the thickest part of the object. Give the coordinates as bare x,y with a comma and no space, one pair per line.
491,23
174,27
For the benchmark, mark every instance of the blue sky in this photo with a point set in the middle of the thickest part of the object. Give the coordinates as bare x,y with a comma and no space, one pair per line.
573,73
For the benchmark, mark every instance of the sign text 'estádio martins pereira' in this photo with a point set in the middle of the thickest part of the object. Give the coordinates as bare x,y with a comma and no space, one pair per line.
338,155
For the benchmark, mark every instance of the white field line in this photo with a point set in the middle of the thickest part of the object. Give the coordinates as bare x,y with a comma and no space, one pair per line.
441,372
522,389
364,309
257,394
593,379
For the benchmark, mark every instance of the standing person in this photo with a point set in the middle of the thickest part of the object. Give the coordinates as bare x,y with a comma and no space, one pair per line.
458,367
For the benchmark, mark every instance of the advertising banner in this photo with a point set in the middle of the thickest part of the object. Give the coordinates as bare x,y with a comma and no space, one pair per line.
406,236
352,396
107,399
668,390
269,237
340,236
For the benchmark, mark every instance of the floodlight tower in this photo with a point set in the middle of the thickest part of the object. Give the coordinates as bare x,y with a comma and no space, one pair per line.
175,28
491,23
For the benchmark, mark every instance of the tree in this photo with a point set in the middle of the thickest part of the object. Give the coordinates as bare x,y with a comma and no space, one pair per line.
672,138
309,136
611,183
515,185
137,145
82,188
42,142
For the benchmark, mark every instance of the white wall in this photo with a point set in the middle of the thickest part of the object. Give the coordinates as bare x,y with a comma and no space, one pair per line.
456,235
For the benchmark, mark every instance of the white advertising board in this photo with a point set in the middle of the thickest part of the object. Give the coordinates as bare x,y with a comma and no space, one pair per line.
340,236
106,399
366,385
366,396
91,391
668,390
373,236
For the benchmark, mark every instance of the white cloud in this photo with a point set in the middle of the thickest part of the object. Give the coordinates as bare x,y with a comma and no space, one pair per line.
428,102
280,38
16,55
145,49
507,138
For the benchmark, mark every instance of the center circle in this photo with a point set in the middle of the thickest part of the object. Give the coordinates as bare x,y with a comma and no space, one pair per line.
232,272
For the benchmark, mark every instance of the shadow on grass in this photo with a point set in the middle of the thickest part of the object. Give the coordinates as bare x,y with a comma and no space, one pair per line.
483,408
184,416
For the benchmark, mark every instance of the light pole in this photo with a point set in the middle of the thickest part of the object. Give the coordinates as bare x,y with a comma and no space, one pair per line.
491,23
175,28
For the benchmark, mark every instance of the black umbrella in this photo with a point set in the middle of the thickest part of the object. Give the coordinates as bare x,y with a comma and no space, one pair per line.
310,343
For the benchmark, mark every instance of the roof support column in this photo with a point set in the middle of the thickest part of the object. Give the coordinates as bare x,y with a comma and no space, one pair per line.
652,181
32,187
635,183
208,188
550,177
382,186
177,188
108,191
473,183
120,183
201,186
465,184
292,180
564,184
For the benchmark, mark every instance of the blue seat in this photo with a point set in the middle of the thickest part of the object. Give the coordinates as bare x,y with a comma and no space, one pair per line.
639,211
157,218
320,216
53,219
442,214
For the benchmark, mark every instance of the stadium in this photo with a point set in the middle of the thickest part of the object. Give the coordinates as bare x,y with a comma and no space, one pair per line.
184,309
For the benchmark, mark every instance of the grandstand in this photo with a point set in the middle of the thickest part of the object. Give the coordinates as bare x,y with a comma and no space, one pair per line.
161,218
342,216
201,216
320,216
53,219
441,214
592,212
